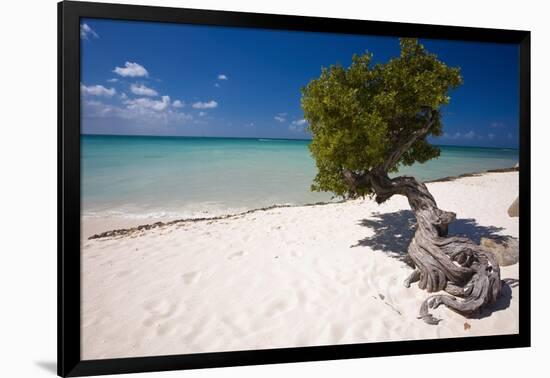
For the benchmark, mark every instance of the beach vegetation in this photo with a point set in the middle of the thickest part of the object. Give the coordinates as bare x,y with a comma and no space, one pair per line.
370,115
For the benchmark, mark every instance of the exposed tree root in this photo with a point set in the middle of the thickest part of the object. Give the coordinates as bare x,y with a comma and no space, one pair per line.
465,271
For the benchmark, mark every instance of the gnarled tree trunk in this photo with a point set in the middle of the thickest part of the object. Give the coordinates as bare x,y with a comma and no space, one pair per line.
457,265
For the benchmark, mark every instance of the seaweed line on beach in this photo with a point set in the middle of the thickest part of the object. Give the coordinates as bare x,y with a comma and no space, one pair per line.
127,231
145,227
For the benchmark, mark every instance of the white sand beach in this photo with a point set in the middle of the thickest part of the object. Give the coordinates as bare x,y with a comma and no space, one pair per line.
284,277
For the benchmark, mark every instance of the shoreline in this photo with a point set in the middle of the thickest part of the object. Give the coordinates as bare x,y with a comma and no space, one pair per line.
473,174
148,226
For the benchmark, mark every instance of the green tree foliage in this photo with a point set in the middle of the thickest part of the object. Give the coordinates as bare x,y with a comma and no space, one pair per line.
359,115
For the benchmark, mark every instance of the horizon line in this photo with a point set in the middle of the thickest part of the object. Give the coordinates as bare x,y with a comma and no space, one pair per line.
270,138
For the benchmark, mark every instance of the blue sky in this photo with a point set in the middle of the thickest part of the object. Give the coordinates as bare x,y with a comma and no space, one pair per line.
171,79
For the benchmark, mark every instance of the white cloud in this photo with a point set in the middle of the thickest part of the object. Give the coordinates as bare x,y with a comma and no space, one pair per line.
142,90
142,111
178,104
300,122
97,90
147,103
280,117
470,134
97,109
86,31
222,77
497,125
123,96
131,69
113,80
456,135
202,114
205,105
298,125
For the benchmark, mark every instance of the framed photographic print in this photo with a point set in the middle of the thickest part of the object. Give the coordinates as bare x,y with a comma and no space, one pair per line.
239,188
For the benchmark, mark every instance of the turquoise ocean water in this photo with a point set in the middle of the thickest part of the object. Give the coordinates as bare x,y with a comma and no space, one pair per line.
156,177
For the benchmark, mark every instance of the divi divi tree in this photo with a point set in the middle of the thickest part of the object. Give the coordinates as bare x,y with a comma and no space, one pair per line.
369,119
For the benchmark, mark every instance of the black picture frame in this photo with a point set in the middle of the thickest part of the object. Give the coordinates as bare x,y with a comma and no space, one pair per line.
69,360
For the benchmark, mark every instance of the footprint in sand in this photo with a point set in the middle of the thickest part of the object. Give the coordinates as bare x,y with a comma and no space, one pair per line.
123,273
234,326
149,321
302,297
191,277
235,255
161,307
337,332
192,334
165,329
345,279
157,310
168,327
277,307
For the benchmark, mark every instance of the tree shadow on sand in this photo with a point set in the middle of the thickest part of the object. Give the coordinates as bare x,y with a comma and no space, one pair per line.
393,232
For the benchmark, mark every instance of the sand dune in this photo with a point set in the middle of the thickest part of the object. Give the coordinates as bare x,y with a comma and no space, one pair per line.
285,277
